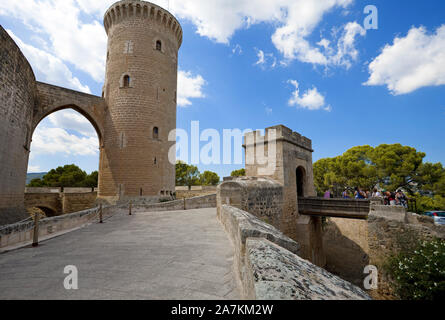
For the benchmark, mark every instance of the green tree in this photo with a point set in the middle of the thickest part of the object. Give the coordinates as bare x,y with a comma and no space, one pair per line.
388,166
431,178
186,175
92,180
36,183
66,176
209,178
238,173
397,166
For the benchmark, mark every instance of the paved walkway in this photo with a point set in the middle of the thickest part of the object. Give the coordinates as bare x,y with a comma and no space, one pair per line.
168,255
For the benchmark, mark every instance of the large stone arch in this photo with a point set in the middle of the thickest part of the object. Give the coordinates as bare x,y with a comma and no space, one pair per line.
50,99
50,203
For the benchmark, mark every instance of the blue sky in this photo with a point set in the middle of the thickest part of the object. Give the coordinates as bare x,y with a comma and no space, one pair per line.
241,63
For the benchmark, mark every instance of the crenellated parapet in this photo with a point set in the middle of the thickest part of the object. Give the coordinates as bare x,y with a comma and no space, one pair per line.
126,9
278,133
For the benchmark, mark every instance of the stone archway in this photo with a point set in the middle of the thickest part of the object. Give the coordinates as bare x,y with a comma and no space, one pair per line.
49,212
52,99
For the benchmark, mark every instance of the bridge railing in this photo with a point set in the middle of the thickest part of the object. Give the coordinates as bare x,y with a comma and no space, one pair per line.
336,208
23,231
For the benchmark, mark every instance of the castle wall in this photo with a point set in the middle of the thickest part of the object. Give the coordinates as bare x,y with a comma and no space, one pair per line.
17,88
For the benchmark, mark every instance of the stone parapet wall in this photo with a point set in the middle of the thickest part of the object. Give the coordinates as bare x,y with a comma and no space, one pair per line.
267,265
79,190
21,233
261,197
197,191
208,201
43,190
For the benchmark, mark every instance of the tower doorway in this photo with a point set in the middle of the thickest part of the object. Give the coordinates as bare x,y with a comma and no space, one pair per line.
301,179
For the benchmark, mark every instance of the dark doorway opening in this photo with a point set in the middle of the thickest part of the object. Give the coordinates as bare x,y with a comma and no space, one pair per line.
301,177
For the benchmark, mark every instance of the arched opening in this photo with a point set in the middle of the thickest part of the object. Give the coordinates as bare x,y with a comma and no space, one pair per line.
126,81
48,212
301,181
43,212
64,152
159,45
155,133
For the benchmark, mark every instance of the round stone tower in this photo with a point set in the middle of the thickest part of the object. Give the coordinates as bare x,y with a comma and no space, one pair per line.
140,90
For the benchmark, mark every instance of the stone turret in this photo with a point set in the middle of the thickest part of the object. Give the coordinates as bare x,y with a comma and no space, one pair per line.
140,90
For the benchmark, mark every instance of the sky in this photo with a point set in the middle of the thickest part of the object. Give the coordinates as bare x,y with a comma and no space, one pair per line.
323,68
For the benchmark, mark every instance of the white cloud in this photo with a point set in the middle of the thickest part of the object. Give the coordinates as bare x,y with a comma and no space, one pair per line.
50,67
58,141
346,51
189,87
34,169
295,20
72,120
74,32
411,62
311,99
71,40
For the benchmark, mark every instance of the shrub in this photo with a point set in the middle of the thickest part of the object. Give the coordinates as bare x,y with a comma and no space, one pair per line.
419,274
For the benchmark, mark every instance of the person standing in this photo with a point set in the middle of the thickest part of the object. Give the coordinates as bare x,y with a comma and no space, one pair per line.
376,193
327,194
358,194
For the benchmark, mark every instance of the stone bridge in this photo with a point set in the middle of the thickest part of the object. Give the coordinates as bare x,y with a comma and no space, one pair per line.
54,202
157,254
334,208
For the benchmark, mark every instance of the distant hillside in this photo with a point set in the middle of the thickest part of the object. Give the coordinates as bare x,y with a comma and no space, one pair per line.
31,176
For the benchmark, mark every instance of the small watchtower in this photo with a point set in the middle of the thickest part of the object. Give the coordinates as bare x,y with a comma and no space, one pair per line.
285,157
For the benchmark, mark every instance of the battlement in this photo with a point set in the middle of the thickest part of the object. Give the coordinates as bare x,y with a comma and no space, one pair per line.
144,10
281,133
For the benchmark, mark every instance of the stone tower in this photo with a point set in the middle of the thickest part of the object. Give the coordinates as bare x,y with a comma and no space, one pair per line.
140,91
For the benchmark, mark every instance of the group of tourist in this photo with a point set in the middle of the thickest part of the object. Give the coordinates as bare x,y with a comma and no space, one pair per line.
389,198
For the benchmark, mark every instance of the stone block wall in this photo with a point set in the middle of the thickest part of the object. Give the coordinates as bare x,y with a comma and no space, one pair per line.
17,99
262,197
75,202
